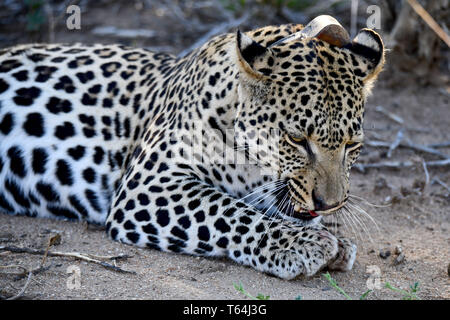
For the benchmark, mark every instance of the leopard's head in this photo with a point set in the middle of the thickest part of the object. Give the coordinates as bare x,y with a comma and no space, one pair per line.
301,106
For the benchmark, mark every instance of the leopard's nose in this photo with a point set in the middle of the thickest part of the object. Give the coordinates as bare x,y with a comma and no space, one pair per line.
320,204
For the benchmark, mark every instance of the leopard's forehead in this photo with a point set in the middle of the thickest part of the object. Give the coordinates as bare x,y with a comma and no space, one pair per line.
315,87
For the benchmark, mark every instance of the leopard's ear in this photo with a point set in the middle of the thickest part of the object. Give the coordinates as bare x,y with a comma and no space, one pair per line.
369,52
253,59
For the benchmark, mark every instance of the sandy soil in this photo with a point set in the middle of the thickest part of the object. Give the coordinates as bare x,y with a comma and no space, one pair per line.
416,221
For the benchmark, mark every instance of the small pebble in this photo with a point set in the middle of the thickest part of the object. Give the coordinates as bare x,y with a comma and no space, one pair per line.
384,254
398,250
399,259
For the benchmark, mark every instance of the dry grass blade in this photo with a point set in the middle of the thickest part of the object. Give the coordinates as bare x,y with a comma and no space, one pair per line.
55,239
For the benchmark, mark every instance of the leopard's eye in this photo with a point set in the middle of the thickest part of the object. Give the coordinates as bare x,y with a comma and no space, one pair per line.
297,140
300,141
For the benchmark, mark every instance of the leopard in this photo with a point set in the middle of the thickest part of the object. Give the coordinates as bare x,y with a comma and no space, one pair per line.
237,150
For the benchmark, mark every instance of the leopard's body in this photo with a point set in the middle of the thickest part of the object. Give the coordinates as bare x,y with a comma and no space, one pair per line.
140,142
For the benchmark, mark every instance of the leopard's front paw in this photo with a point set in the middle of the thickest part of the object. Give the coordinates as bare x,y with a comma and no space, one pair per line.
306,255
346,256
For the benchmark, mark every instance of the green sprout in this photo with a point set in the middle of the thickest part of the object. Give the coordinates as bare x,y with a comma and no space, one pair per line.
239,287
407,295
334,284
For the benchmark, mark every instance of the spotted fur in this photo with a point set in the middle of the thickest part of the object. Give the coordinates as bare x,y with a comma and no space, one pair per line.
135,141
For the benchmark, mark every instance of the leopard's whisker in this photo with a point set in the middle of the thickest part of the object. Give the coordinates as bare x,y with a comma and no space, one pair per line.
277,213
348,221
356,223
344,223
367,202
335,219
361,223
364,213
261,198
287,200
282,203
264,210
262,187
344,215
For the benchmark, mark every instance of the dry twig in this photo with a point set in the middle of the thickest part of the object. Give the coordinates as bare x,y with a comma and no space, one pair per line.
430,21
439,145
76,255
20,275
25,271
400,164
390,115
442,183
427,175
395,143
407,144
22,291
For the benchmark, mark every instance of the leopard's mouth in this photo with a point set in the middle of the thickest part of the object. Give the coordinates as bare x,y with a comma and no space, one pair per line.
296,210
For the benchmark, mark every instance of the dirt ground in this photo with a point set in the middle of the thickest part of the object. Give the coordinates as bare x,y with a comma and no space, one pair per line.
414,216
